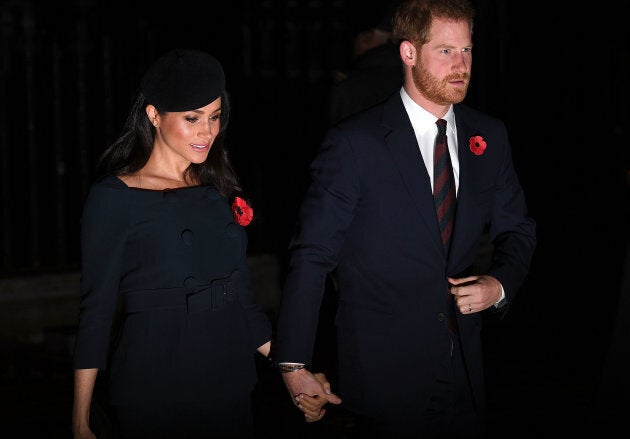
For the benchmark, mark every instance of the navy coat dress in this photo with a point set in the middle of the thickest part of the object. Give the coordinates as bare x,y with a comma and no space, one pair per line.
176,261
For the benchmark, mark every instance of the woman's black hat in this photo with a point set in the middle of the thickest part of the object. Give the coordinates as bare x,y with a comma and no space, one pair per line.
183,80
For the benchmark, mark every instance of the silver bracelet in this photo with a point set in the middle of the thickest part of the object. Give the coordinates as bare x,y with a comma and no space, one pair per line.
286,368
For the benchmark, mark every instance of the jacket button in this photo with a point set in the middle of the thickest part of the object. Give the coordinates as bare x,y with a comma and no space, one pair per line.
441,317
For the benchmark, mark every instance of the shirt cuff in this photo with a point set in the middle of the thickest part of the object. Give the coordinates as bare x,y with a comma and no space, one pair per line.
500,301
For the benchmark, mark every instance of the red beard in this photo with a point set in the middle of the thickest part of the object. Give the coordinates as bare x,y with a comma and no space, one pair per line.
438,90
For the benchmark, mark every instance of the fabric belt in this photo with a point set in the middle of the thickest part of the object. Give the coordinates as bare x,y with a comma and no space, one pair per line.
194,297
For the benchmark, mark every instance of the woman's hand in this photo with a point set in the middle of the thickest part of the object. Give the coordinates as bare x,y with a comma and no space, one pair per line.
313,406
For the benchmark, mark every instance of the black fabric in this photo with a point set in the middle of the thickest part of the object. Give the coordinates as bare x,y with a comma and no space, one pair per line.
451,412
183,80
227,420
192,298
160,243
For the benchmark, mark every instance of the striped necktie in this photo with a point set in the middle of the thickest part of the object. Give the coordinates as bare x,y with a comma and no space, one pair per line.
443,185
444,197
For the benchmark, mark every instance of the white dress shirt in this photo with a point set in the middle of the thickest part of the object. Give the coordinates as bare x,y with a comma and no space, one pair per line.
425,129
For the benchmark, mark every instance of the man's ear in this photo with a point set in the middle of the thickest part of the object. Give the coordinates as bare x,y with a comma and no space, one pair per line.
408,53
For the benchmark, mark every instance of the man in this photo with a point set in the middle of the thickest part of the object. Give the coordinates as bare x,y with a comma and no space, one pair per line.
405,368
375,71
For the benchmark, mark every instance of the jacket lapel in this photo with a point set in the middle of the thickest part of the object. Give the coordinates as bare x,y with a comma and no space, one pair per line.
465,206
401,142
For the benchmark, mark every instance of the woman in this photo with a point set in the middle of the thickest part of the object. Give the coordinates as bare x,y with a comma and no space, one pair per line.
162,234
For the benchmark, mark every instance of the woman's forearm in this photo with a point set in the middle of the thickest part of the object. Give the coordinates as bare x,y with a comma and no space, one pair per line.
84,380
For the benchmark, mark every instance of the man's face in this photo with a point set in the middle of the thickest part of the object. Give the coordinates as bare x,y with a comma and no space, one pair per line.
442,70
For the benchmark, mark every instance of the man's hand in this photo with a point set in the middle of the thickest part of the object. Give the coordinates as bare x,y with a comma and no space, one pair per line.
310,392
475,293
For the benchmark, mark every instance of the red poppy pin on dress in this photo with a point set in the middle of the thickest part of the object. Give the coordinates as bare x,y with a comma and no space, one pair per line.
243,213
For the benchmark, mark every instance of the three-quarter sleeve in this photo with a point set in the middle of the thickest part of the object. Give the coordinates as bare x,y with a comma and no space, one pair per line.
258,321
104,230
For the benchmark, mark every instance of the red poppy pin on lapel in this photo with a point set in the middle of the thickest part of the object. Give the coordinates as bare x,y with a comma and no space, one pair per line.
477,145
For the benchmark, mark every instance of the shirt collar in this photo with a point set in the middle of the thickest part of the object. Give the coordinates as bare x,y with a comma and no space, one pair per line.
421,119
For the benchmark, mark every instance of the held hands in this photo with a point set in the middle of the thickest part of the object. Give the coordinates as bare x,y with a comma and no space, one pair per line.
310,392
475,293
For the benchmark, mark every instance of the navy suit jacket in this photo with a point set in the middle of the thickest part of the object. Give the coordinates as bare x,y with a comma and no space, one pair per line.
369,214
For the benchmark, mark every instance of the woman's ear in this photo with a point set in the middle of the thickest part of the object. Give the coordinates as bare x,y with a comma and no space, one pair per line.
153,115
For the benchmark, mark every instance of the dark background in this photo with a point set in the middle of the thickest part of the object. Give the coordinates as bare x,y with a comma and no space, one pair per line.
69,69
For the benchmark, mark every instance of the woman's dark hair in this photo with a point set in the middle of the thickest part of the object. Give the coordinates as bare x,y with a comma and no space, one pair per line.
131,151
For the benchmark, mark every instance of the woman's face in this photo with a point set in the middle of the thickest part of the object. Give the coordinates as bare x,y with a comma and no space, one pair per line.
186,135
